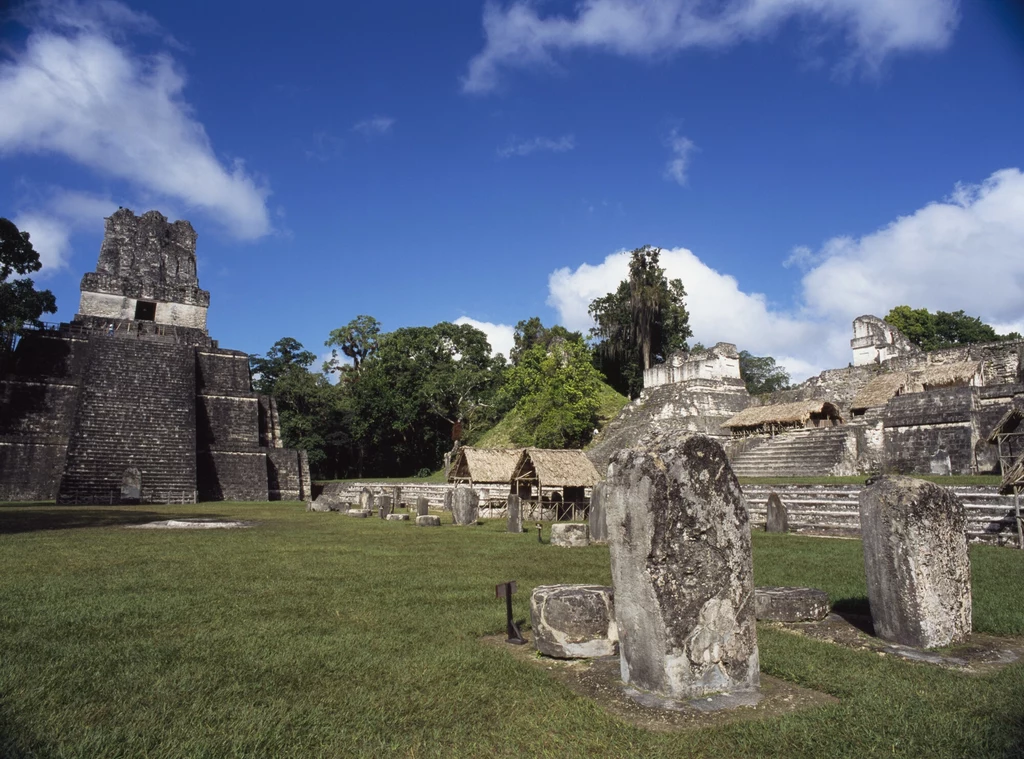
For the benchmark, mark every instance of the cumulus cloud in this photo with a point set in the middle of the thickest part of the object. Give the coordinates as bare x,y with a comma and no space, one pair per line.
77,90
518,36
51,224
518,147
376,125
960,253
678,164
500,336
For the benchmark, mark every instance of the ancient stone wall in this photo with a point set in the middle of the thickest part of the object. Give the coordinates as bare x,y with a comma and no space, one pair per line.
930,432
232,475
718,363
284,475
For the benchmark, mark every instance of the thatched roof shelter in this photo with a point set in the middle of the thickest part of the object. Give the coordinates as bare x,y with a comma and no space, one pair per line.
1013,477
1010,421
783,416
878,391
548,468
484,465
962,374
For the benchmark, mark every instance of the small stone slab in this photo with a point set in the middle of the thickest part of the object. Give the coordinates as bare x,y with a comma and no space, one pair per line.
359,513
777,518
570,535
428,520
773,604
596,515
515,513
320,504
422,507
574,621
465,506
398,517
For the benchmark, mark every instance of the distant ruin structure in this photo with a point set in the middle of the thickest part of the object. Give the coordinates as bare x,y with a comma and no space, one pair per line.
132,400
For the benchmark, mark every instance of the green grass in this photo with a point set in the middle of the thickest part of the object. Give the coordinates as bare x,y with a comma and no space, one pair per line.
948,480
321,635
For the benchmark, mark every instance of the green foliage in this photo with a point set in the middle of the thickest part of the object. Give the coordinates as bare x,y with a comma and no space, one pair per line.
942,329
640,324
20,302
552,392
531,332
357,340
761,374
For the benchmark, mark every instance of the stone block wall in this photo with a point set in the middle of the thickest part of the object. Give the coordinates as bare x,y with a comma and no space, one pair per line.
229,422
232,475
284,475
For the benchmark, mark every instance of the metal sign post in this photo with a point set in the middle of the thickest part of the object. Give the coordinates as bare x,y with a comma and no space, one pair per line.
505,590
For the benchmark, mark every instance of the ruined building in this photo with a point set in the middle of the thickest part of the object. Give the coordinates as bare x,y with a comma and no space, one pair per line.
132,401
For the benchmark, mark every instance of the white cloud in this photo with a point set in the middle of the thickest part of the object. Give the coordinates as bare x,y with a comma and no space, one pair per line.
50,237
374,126
517,147
500,336
518,36
76,90
962,253
678,164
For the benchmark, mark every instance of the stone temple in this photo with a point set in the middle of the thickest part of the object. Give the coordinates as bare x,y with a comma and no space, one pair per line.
133,401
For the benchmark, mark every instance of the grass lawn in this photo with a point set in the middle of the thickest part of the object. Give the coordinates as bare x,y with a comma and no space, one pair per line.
315,634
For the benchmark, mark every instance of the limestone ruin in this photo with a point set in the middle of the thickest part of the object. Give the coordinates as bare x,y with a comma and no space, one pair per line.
133,400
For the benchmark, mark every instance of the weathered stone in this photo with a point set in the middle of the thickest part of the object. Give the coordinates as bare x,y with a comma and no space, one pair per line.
573,621
396,496
320,504
515,513
429,520
570,534
777,519
682,569
397,517
359,513
384,506
790,604
465,506
366,499
916,562
596,517
448,496
422,507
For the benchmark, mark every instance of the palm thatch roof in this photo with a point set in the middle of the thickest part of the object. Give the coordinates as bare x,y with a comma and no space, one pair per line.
948,375
484,464
556,468
797,412
1010,421
1014,476
879,390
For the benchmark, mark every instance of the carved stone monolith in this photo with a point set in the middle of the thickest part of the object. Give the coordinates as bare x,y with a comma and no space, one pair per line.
465,506
682,569
384,506
448,496
422,507
916,562
776,516
366,499
596,517
515,513
573,621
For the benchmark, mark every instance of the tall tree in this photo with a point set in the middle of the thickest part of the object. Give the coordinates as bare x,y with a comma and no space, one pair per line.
20,302
284,356
943,328
357,340
531,332
641,323
761,374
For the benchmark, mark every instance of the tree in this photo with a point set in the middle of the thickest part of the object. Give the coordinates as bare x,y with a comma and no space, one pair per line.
531,332
942,329
761,374
20,302
641,323
284,356
357,340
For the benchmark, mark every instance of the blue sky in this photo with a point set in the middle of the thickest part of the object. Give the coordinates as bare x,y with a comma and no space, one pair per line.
800,161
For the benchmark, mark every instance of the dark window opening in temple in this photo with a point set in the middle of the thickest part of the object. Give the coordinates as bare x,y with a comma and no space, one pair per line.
145,310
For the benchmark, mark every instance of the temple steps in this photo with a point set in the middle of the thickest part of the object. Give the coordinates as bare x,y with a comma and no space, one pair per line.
810,453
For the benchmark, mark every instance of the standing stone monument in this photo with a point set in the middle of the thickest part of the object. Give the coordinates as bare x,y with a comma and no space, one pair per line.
777,518
396,496
448,496
384,506
422,507
916,562
596,517
366,499
465,506
682,569
515,513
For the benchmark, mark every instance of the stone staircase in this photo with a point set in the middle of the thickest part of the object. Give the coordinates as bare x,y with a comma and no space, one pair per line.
136,410
807,453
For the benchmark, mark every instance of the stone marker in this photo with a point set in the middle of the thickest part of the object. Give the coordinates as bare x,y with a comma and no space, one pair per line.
596,517
790,604
366,499
359,513
915,559
396,496
384,506
422,507
574,621
397,517
448,495
320,504
570,534
429,520
682,568
465,506
515,513
777,518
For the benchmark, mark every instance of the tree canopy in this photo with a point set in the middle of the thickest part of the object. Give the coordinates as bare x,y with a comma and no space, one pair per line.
942,329
20,302
357,340
761,374
641,323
